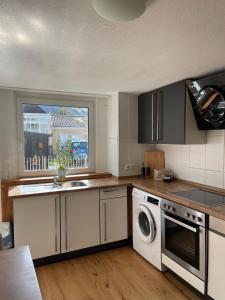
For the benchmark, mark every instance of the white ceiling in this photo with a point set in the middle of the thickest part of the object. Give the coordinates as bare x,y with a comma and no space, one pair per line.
64,46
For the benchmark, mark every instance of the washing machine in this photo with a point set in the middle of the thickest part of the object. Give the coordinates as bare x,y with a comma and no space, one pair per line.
147,226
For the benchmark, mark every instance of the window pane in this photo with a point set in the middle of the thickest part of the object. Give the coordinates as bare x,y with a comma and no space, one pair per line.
45,126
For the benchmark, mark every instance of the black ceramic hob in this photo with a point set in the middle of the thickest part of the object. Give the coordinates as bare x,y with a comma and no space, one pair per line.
201,196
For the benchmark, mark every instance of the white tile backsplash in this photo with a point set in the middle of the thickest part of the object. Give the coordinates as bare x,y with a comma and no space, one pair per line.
214,178
214,153
196,175
197,156
198,163
182,155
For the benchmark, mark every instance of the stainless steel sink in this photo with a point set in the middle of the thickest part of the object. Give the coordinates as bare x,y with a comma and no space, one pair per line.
45,187
48,187
73,184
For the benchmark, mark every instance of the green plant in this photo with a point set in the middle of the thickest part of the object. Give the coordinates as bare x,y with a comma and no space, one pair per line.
63,153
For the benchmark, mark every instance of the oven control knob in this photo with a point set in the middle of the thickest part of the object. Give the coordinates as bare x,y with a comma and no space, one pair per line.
173,209
188,215
168,207
199,219
193,217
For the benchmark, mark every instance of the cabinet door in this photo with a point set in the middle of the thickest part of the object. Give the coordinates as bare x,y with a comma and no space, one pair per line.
113,215
147,118
37,224
216,266
171,114
80,220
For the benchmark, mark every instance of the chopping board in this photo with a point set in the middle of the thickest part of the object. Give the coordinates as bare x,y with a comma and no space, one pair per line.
155,160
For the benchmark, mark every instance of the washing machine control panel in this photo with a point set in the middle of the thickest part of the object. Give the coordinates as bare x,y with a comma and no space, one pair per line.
153,200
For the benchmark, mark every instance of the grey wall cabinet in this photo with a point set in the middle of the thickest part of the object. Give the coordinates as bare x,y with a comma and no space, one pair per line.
165,116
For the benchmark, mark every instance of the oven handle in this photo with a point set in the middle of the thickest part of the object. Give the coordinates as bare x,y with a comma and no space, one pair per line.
180,223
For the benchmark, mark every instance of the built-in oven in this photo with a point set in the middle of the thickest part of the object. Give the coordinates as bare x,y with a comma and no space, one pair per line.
184,237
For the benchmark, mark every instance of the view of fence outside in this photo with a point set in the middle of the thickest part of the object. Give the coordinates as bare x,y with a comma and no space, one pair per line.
49,162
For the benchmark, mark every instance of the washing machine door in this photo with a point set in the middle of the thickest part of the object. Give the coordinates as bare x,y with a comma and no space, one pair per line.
145,224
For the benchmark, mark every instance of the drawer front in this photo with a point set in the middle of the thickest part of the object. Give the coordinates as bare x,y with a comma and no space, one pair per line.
113,192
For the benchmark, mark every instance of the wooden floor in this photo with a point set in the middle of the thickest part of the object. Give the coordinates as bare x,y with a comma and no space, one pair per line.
115,274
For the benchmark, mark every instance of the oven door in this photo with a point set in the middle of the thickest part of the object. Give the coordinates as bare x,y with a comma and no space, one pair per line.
184,242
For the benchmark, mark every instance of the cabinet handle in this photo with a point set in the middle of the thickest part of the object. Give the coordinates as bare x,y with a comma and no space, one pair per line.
113,190
157,118
105,208
66,240
153,116
56,221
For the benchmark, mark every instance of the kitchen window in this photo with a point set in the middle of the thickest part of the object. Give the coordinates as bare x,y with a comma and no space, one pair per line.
45,122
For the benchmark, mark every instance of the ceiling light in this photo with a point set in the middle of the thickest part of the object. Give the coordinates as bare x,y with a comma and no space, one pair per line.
22,37
120,10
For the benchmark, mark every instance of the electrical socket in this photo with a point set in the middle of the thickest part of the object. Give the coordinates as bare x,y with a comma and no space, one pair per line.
130,166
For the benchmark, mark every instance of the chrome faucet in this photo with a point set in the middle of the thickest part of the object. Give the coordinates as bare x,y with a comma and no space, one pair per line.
56,182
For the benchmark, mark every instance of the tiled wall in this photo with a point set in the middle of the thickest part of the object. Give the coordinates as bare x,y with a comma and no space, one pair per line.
199,163
130,152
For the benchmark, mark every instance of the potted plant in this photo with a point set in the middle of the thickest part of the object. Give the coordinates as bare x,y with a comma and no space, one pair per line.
63,156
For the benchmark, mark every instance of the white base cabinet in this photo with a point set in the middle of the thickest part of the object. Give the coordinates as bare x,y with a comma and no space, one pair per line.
113,215
216,267
64,222
37,224
79,220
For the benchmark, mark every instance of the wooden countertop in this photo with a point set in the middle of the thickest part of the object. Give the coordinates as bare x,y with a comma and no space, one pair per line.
18,279
158,188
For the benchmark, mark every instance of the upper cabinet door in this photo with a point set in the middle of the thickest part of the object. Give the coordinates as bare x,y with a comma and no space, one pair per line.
171,103
147,118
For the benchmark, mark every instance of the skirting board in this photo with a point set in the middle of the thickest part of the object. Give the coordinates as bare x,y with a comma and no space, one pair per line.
81,252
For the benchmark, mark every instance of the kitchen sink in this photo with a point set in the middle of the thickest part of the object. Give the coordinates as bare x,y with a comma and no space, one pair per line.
47,187
73,184
38,187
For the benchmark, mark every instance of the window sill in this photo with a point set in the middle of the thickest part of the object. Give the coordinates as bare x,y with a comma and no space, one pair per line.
46,179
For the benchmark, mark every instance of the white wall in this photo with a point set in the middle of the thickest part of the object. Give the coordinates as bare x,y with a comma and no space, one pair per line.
112,127
130,152
8,135
199,163
101,134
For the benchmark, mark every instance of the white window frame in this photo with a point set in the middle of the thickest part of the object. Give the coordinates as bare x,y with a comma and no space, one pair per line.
62,100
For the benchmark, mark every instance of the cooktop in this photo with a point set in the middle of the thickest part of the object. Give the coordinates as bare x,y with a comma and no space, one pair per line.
201,196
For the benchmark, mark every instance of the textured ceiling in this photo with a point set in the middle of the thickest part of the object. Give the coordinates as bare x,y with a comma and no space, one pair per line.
64,46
